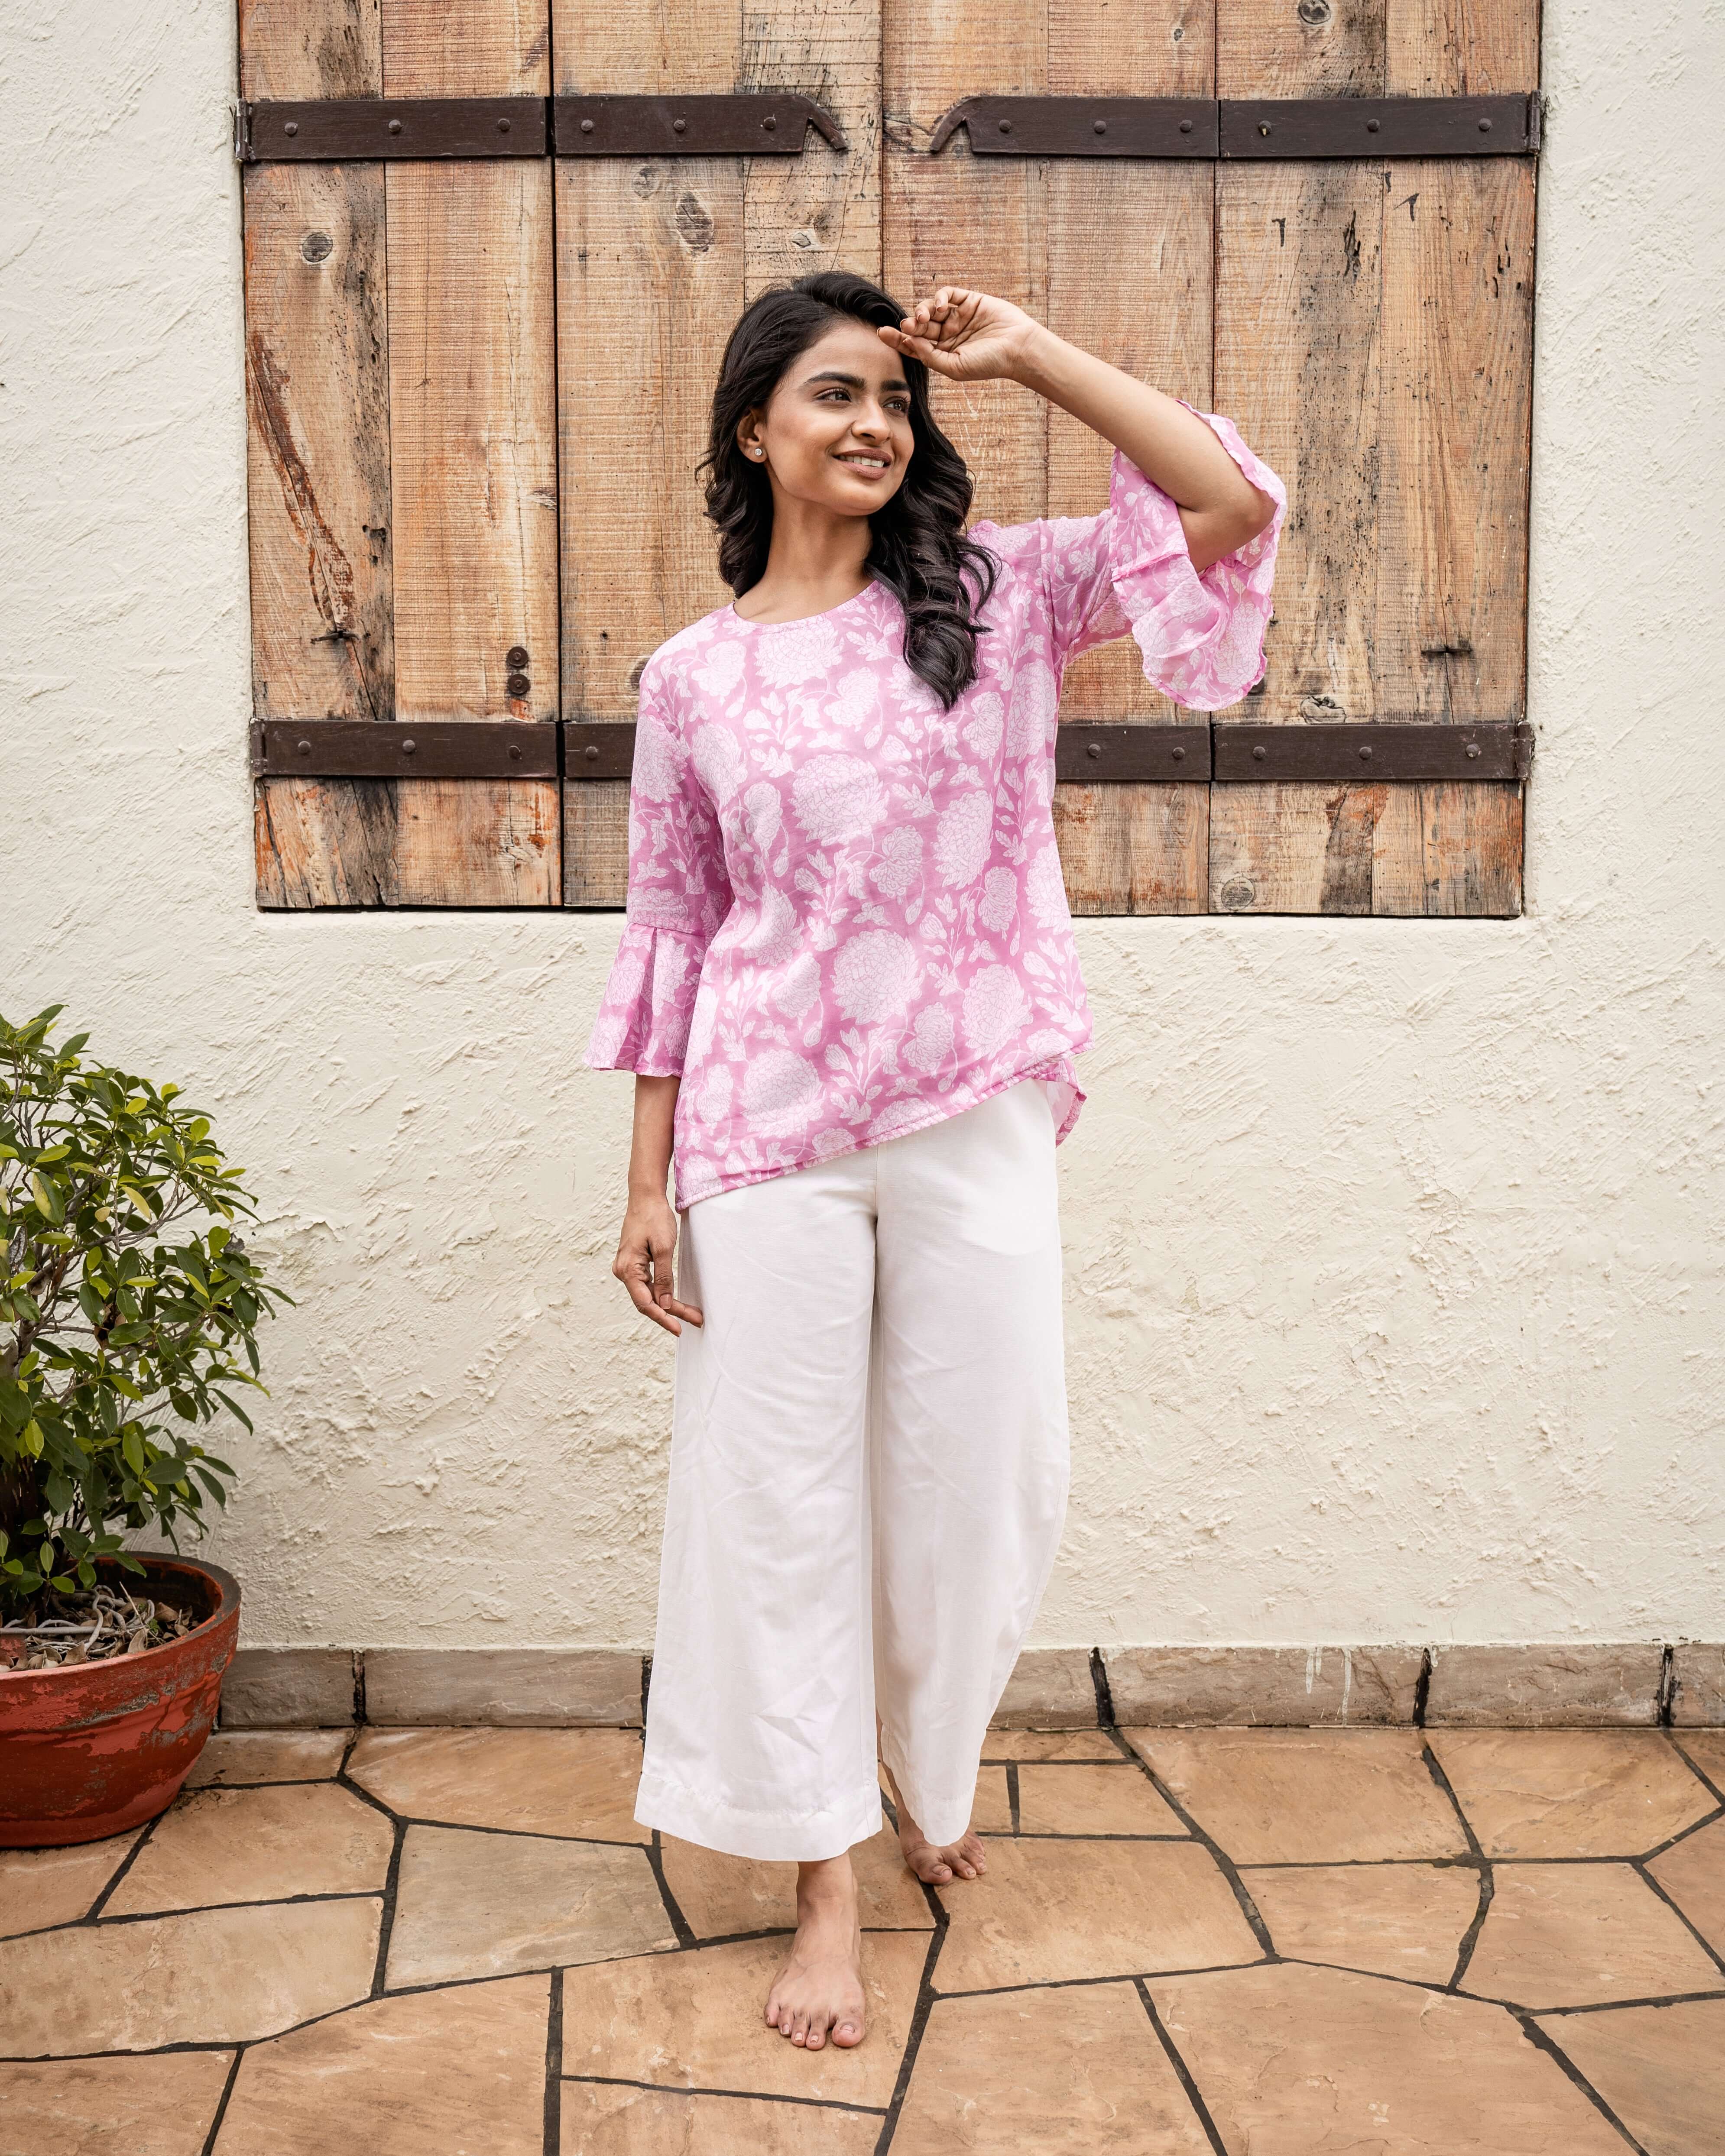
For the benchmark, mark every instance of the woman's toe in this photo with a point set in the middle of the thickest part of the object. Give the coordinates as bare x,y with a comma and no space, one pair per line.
848,2032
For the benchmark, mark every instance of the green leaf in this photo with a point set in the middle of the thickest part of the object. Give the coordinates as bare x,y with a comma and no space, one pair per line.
132,1445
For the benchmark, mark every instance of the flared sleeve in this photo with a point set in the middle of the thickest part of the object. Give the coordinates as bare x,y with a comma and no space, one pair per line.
1201,631
679,893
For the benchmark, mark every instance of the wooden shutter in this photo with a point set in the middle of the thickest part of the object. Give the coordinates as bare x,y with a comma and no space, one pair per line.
401,370
656,258
479,387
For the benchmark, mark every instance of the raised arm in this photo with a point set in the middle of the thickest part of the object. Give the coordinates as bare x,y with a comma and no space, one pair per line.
969,335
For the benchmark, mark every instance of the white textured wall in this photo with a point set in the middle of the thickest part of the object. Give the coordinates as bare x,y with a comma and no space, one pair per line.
1394,1272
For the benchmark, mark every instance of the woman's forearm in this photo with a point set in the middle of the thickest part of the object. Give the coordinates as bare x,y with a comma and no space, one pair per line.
649,1151
1219,507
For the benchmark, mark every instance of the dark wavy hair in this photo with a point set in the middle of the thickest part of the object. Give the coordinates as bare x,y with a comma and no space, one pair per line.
917,544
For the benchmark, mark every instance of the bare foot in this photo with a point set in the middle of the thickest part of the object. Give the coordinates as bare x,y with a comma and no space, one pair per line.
820,1990
934,1863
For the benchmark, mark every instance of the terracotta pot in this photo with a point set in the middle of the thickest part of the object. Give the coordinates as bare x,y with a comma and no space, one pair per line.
95,1748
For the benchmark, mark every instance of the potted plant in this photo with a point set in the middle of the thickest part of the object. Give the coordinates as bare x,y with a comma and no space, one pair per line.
127,1312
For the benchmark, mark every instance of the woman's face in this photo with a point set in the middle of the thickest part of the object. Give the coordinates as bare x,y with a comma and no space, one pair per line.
836,429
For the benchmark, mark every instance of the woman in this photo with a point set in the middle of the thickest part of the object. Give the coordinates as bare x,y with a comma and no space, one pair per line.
848,989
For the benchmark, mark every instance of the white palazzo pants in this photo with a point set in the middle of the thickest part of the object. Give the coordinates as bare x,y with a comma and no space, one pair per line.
868,1482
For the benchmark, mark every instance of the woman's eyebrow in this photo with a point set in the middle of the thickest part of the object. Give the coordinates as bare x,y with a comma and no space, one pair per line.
852,381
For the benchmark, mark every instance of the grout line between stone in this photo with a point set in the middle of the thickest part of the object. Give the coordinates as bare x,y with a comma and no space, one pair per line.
1422,1688
1622,2006
1193,2096
1011,1796
740,2096
679,1923
386,1925
1135,1976
1434,1766
554,2067
1539,2039
1223,1862
215,2124
1675,1742
1638,1865
1104,1690
126,1862
1671,1841
919,2018
1469,1938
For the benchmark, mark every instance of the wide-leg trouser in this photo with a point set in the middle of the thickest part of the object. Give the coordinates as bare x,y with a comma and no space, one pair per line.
868,1481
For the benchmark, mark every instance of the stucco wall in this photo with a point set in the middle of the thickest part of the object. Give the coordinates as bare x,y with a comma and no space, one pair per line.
1394,1303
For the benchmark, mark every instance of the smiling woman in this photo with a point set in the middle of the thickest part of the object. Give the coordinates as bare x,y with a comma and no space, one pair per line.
848,932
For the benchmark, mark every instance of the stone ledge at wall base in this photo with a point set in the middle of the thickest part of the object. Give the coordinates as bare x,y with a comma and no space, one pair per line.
1588,1686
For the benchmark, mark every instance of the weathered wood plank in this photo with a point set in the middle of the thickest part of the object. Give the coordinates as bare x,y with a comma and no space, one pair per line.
317,407
656,258
473,418
1372,336
317,461
1118,258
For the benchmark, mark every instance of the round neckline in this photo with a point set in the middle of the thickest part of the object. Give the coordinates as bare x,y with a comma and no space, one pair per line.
803,620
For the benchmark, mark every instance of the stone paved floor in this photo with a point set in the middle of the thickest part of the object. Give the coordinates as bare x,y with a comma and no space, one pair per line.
1268,1943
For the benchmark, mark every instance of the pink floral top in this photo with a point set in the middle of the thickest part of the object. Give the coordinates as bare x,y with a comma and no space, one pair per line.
846,918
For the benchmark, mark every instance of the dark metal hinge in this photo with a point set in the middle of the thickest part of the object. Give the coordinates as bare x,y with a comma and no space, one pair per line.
768,123
1229,752
1235,128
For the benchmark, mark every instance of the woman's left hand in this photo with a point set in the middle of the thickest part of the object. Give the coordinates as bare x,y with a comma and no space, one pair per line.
963,334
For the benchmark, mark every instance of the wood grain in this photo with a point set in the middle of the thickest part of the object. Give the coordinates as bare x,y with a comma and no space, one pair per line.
400,364
1373,342
1116,257
656,259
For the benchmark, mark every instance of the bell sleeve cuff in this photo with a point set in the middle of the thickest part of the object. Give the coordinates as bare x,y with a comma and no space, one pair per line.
1201,630
643,1022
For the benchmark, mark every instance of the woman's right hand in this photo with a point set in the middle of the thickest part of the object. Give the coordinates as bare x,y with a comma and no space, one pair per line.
644,1255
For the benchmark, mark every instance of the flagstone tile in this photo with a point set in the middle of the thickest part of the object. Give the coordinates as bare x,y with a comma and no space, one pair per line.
1392,1919
1581,1934
573,1782
40,1888
233,1756
991,1809
1049,1744
600,2120
1569,1792
473,1905
461,2073
1290,2058
694,2020
1049,1911
1693,1874
138,2106
217,1976
721,1895
1661,2068
252,1845
1118,1799
1306,1796
1046,2073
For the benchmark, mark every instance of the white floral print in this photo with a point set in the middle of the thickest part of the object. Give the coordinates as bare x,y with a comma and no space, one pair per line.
846,918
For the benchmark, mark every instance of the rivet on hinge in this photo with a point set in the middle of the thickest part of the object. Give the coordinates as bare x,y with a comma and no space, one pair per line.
1179,756
1185,127
290,127
587,127
1263,126
515,751
680,126
503,128
1473,748
1484,127
305,748
1371,128
591,753
1259,754
1099,126
769,123
1365,754
395,127
407,748
1094,749
1006,127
